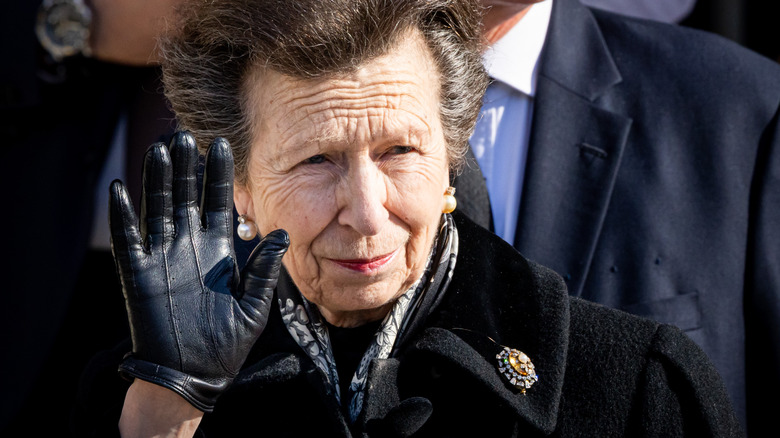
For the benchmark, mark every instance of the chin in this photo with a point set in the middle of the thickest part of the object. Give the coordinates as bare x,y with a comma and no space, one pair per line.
352,306
357,299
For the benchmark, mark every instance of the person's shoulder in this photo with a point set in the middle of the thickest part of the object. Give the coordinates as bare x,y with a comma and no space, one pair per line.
652,367
650,34
594,326
617,335
702,56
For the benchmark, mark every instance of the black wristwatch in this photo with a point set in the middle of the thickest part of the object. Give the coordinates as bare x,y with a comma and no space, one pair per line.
63,28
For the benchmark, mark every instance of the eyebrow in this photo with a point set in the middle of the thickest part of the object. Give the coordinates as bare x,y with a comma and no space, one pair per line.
323,140
288,155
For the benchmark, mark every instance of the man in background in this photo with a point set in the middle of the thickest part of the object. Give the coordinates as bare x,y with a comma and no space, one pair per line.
641,161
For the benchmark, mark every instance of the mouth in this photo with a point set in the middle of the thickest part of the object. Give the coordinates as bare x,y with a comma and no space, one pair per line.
366,265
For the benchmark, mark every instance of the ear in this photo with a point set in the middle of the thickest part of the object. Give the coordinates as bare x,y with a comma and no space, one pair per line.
242,199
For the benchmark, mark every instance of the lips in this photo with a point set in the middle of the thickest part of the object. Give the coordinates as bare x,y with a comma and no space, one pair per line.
366,265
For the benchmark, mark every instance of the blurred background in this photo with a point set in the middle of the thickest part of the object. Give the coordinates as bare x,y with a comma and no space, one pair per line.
752,23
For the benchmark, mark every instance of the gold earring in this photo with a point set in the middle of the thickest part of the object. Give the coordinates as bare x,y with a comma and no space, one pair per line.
246,230
450,203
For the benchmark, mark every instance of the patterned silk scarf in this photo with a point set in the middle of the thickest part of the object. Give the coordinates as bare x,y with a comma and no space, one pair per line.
304,321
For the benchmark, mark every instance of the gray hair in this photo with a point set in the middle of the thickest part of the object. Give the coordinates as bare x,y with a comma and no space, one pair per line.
219,43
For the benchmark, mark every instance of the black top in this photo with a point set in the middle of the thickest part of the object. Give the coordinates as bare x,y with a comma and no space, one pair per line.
349,345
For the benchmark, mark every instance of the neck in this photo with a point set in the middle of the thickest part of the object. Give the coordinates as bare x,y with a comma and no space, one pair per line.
499,20
350,319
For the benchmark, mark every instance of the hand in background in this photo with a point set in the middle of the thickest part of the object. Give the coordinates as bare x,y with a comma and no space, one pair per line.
126,31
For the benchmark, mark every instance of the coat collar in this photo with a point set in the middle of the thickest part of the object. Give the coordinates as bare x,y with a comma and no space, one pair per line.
575,148
497,299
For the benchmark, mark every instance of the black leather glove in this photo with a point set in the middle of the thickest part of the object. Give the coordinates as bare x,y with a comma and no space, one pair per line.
192,319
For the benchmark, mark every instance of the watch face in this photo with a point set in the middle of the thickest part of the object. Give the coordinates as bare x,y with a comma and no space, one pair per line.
63,27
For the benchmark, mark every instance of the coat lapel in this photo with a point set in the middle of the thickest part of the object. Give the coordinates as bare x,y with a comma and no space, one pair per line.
575,147
498,299
469,356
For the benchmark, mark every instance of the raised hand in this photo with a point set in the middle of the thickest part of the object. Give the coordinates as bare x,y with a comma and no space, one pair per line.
193,318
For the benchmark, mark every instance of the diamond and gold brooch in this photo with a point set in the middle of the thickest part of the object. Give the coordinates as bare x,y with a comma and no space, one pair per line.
517,368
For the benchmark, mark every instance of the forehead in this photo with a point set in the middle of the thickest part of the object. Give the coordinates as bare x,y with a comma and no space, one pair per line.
394,94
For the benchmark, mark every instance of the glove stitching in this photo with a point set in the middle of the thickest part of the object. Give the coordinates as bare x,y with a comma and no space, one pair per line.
170,292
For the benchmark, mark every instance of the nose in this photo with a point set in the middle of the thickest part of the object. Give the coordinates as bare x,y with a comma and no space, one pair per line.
362,196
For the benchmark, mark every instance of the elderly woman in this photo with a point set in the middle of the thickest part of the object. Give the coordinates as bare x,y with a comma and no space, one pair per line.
346,120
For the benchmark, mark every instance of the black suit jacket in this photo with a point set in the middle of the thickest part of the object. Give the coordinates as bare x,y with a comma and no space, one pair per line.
653,185
601,372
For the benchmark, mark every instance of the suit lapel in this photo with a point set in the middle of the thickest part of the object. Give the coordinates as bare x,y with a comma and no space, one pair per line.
575,147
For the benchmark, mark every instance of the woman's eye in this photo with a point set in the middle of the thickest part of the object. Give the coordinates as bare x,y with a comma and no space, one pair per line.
399,150
317,159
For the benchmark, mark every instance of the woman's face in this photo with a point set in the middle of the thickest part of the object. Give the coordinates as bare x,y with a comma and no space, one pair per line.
354,168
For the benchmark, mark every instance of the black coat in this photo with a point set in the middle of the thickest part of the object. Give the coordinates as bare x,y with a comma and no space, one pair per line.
601,372
652,185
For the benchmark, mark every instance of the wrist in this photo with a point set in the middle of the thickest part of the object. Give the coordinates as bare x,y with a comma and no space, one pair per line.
202,393
152,410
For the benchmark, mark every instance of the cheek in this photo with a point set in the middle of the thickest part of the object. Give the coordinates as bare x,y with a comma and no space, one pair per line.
304,208
418,193
299,207
417,200
294,204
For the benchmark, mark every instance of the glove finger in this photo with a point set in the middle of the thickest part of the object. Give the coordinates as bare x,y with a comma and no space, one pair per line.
259,276
184,156
156,210
123,223
217,208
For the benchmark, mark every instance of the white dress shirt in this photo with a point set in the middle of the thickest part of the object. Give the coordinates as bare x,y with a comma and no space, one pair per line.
500,139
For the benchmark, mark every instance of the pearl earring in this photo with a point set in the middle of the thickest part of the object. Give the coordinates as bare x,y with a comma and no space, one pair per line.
449,200
246,230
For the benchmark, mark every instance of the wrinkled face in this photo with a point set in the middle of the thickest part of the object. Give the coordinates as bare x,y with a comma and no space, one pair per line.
354,167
